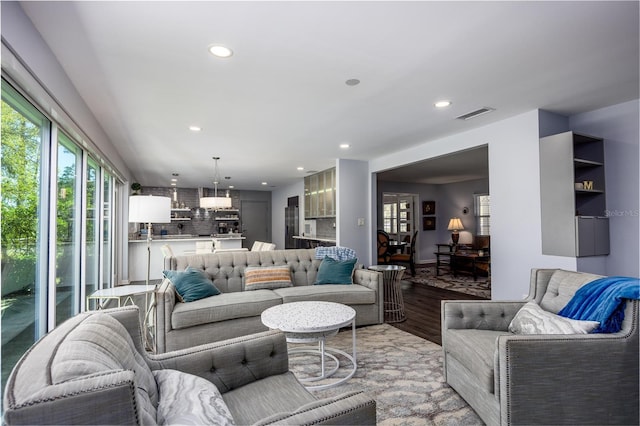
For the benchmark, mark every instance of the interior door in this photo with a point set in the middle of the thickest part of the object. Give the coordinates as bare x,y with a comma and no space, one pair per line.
256,219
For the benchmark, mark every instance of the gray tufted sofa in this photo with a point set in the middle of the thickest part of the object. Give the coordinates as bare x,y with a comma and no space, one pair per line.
92,370
544,379
236,312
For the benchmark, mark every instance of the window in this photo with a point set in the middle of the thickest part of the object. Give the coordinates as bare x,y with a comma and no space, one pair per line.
24,217
482,208
57,225
390,217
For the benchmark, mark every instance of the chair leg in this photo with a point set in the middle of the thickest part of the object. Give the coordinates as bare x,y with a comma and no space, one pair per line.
412,266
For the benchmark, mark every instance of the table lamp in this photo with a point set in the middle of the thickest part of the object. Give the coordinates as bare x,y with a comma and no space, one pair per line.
455,225
149,209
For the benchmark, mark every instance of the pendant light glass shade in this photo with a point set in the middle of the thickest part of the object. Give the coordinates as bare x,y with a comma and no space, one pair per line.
215,202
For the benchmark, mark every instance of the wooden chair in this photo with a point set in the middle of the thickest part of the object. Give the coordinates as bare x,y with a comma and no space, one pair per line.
408,257
383,248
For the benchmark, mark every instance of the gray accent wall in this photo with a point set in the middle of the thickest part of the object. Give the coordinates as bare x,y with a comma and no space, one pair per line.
619,126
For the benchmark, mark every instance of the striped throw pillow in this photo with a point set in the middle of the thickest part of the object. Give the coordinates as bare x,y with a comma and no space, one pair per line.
258,277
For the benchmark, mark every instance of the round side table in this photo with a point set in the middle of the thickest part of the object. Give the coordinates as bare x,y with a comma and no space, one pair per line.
393,301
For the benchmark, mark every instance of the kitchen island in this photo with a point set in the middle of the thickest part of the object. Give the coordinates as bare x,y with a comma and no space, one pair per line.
179,244
306,241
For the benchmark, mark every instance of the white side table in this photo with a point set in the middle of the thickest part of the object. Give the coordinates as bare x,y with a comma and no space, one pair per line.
310,322
393,301
124,295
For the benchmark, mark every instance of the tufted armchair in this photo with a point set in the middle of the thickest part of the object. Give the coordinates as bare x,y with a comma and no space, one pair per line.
541,378
92,369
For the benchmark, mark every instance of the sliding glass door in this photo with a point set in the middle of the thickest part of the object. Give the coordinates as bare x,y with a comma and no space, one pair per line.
24,226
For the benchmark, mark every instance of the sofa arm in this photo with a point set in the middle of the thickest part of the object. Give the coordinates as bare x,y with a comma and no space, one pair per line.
587,379
352,408
374,281
483,315
165,302
230,363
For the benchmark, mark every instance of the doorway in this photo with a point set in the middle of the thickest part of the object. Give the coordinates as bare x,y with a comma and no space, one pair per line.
256,220
399,215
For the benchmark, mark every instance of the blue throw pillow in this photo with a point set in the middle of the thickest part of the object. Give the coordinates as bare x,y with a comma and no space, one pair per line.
192,284
333,271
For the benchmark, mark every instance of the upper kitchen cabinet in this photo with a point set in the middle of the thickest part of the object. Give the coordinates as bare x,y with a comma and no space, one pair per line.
572,196
320,194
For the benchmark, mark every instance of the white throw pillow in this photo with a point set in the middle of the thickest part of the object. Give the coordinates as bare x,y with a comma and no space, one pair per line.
186,399
532,319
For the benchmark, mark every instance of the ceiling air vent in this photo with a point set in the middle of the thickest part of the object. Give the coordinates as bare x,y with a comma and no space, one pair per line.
475,113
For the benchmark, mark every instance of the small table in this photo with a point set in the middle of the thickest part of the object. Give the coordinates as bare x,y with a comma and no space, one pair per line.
310,322
458,258
393,301
124,295
396,246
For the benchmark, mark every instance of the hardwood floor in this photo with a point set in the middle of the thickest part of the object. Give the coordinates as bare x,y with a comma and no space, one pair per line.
422,308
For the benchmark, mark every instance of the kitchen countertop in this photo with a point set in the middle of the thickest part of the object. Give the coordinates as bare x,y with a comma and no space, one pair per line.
318,238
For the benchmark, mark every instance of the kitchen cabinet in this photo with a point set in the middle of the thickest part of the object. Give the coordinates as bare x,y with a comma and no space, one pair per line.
572,195
320,194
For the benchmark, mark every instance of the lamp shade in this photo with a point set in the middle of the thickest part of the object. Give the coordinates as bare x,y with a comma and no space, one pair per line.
455,224
149,209
215,202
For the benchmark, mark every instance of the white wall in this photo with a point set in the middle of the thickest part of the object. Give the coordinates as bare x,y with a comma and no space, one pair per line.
514,185
618,126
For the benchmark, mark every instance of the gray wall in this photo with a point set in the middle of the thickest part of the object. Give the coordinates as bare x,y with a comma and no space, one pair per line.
619,127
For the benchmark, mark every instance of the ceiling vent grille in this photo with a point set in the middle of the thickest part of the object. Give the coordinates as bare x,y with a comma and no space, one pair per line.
475,113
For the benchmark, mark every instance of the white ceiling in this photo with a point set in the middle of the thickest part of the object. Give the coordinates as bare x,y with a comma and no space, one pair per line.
281,100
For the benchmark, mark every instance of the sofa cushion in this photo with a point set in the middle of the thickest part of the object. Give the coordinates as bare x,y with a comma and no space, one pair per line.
259,277
191,284
333,271
345,294
474,349
532,319
101,344
223,307
185,399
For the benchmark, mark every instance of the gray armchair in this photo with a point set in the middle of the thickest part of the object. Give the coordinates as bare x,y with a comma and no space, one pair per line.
541,379
92,370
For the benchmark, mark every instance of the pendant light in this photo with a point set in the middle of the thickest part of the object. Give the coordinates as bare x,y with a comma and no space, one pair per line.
215,202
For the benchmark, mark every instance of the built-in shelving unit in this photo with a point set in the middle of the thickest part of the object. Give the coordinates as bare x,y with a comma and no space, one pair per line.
572,195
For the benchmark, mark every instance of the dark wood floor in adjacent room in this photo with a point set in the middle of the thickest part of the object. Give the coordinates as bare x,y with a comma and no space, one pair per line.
422,307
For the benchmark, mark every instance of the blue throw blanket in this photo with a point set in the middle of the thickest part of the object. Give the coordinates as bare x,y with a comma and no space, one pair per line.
603,300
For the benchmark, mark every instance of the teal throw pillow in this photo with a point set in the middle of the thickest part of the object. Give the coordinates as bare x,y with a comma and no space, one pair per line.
333,271
192,284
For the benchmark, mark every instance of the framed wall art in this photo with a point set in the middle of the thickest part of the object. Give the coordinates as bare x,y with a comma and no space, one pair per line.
429,223
428,207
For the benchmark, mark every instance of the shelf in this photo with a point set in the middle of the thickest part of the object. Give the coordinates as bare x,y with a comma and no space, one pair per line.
181,210
579,162
227,218
589,191
174,219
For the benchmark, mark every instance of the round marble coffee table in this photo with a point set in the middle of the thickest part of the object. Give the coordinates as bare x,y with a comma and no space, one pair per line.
310,322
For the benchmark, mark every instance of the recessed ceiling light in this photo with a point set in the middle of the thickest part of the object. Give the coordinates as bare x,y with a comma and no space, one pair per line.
344,145
264,183
300,168
174,180
442,104
195,128
173,184
231,186
220,51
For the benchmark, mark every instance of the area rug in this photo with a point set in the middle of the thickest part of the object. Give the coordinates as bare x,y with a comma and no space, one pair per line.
426,275
401,371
